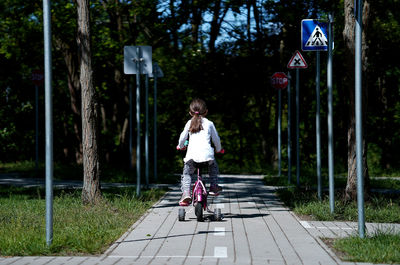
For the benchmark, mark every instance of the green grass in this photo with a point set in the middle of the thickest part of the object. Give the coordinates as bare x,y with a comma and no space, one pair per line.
78,229
381,247
379,208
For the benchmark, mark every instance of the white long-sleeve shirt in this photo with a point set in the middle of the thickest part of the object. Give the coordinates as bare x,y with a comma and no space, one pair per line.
199,148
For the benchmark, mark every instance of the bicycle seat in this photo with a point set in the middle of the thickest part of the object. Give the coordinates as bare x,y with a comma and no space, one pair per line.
201,165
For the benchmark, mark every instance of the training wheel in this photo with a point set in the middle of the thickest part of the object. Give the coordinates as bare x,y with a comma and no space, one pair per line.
181,214
217,214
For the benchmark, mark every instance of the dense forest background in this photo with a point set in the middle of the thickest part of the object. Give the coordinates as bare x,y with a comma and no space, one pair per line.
223,51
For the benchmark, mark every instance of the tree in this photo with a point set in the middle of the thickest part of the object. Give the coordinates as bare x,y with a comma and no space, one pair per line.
91,167
349,38
66,64
218,15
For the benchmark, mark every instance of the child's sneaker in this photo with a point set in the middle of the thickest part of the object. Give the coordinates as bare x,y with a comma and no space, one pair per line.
185,200
215,190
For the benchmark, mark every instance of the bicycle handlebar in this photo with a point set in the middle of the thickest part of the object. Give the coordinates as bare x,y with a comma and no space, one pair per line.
222,151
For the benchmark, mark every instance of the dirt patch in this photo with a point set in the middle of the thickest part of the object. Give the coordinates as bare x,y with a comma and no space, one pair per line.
340,254
304,217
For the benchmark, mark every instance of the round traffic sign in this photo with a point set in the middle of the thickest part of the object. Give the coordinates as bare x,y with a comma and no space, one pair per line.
37,77
279,80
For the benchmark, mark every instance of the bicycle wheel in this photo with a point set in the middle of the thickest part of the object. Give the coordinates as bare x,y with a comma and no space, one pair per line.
198,210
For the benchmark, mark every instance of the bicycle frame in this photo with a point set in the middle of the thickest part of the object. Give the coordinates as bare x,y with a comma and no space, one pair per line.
199,191
199,201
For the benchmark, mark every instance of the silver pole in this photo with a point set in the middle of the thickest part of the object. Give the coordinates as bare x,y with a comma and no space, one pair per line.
37,127
130,125
49,120
289,133
146,140
155,124
330,120
297,129
359,133
138,64
279,130
317,127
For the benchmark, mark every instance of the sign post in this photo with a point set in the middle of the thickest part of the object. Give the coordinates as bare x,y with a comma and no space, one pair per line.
49,120
137,60
358,110
297,62
279,81
157,72
330,120
146,136
314,38
318,127
289,132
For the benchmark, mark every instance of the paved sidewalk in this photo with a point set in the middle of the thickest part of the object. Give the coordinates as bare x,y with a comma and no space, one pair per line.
256,229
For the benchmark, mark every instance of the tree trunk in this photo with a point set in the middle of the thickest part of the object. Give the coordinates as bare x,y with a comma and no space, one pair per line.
349,38
72,64
196,22
218,18
91,180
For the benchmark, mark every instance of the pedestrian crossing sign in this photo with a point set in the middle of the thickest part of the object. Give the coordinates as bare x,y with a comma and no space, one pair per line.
314,35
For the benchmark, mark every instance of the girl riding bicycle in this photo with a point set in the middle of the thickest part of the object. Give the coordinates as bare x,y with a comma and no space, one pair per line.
201,132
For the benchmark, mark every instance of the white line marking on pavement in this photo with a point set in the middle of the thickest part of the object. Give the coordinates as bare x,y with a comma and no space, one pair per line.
220,252
220,205
334,228
177,256
251,203
219,231
305,224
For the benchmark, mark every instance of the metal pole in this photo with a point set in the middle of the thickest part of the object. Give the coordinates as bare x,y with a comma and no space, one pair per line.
317,127
297,129
155,124
138,64
358,110
289,133
49,120
37,127
146,140
279,130
130,126
330,120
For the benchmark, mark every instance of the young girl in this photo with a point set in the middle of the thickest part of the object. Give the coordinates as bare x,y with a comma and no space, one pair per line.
201,133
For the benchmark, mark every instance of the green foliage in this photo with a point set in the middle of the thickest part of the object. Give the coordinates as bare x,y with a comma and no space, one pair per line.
233,78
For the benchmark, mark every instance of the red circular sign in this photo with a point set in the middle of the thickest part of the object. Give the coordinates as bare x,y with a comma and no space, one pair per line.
37,77
279,80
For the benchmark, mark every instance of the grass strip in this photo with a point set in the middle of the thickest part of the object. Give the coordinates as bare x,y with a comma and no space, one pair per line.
78,229
380,208
381,247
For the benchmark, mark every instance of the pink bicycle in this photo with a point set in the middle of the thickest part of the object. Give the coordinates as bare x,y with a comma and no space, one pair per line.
199,196
199,199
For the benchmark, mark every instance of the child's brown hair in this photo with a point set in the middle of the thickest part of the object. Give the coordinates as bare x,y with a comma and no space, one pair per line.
198,109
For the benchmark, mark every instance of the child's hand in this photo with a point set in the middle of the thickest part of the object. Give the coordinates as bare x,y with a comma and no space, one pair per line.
180,149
